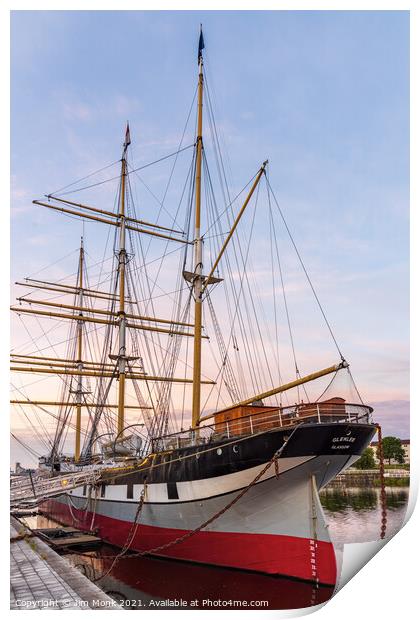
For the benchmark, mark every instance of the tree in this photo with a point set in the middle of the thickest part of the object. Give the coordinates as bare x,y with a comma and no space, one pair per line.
367,460
392,449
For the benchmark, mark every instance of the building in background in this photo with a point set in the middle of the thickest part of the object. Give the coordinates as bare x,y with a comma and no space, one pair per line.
405,444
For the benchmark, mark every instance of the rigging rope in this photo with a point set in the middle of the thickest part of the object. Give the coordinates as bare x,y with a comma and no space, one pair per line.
156,161
24,445
286,306
305,271
86,177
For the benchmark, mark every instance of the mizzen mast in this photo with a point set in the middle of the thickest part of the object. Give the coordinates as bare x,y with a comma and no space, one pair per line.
198,246
79,391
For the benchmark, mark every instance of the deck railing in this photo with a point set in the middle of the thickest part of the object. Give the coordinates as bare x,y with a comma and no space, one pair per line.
30,490
255,423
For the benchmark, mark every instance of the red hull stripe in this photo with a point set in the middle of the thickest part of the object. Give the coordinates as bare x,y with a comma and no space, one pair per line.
290,556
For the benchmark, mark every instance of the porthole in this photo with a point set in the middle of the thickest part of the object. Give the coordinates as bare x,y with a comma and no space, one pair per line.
219,451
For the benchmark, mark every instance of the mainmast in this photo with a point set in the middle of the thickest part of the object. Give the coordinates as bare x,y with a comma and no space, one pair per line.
79,391
198,246
122,261
201,282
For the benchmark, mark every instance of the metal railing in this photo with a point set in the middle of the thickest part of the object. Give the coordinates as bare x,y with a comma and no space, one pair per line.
32,490
318,413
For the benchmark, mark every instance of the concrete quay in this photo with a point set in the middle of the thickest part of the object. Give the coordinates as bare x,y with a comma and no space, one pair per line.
42,579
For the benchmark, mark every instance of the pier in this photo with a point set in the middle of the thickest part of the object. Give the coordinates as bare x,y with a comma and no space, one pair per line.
42,579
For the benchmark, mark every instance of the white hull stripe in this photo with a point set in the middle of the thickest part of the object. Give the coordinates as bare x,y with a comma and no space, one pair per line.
283,506
195,490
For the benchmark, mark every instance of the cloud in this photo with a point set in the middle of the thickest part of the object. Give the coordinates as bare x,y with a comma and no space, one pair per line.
19,197
123,106
77,111
19,193
393,416
96,109
16,211
38,240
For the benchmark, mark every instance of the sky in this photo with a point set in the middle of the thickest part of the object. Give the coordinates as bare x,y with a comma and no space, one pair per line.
323,95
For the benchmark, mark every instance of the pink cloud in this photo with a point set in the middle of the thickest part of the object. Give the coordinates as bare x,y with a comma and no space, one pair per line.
393,416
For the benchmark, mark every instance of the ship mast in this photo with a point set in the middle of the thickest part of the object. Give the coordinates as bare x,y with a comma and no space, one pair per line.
200,282
79,391
198,246
116,316
122,319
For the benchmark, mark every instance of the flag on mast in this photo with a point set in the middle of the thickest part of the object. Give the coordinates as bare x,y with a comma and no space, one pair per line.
127,140
200,45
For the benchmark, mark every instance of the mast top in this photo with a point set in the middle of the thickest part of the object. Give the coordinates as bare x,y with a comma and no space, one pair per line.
127,139
200,46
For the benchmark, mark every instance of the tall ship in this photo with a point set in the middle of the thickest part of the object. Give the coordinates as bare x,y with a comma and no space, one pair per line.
188,443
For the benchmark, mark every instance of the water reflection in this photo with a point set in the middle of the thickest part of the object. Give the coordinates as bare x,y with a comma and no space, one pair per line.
156,583
337,500
354,514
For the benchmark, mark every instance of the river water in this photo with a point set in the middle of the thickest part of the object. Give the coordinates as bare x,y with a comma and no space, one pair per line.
353,515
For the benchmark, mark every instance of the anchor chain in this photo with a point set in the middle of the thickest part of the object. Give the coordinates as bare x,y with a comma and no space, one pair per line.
130,537
188,534
382,482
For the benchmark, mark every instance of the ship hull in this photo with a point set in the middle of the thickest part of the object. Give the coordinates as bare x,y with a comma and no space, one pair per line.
276,527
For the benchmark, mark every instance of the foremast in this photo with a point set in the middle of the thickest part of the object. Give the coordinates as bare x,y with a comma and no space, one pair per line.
122,261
